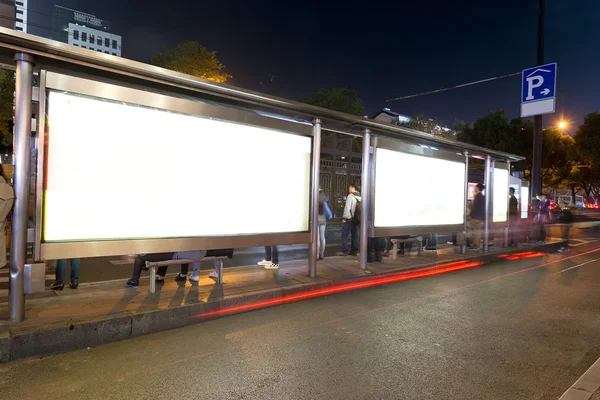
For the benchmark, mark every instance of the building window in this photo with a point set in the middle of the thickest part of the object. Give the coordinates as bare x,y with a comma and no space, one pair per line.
92,39
19,28
75,44
84,47
19,20
84,36
106,42
114,54
107,52
114,44
99,41
20,3
76,35
99,50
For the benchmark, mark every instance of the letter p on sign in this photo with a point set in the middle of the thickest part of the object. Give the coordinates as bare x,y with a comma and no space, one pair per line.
532,83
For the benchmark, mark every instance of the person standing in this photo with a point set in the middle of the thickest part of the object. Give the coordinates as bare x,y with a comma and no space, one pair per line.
271,260
7,198
513,218
322,226
477,216
61,267
565,219
542,218
351,221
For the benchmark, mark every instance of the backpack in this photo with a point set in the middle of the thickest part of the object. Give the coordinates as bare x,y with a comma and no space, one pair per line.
356,217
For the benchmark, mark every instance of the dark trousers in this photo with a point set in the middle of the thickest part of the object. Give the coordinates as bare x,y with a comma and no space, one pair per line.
349,228
374,248
514,234
272,254
140,263
564,232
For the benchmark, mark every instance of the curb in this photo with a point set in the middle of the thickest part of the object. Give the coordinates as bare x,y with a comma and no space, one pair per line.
15,345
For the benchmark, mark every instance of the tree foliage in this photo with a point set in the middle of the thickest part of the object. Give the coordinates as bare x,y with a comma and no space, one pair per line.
338,99
429,125
193,59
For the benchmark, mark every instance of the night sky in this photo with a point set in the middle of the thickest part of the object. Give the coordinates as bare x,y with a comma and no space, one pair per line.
383,50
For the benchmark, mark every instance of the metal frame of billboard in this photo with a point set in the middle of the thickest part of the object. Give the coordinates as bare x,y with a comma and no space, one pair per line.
395,145
93,88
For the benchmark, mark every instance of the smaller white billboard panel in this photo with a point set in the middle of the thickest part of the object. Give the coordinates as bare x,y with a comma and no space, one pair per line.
414,190
500,196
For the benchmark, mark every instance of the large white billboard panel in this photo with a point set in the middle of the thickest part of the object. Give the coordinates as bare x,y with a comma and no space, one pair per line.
119,171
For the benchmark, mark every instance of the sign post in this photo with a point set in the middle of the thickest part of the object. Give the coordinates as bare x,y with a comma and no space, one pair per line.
538,90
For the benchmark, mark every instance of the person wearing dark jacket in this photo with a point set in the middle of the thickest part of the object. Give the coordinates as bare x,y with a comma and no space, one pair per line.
513,217
565,219
477,216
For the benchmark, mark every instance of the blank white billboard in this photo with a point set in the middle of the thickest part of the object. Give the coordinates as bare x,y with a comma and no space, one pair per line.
500,196
413,190
120,171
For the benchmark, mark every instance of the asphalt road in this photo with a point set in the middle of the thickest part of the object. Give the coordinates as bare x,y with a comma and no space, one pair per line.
523,329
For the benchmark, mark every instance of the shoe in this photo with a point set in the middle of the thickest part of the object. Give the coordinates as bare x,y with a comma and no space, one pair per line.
180,278
74,285
212,275
352,254
341,254
272,266
321,258
195,278
132,283
158,280
264,262
57,286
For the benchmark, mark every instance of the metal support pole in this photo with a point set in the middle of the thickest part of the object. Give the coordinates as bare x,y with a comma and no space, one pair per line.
463,247
488,200
364,224
18,251
536,169
507,229
314,196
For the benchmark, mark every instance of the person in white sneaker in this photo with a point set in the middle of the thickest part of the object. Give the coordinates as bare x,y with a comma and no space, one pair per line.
271,260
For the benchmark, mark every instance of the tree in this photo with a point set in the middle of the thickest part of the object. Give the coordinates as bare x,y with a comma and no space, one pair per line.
337,99
430,125
7,90
193,59
494,131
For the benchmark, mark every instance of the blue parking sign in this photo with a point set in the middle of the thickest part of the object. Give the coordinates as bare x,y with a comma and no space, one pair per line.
538,83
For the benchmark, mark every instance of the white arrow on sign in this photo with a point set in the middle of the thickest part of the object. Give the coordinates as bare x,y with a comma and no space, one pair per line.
545,92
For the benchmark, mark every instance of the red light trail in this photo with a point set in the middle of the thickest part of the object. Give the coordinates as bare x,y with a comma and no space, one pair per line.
389,278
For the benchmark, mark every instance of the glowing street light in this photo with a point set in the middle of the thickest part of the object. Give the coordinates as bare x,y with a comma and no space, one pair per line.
562,125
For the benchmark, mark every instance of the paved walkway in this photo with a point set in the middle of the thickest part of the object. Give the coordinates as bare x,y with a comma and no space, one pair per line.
127,312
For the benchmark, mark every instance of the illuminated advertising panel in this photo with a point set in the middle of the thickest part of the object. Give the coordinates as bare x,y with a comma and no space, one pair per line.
436,197
121,171
500,195
524,201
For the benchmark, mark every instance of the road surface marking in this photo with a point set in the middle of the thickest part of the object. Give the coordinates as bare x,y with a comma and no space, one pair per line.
576,266
586,386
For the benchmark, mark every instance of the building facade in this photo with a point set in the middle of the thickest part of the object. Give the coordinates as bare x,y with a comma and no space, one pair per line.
84,30
7,13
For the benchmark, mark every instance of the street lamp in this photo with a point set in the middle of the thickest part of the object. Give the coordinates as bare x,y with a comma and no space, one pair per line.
562,125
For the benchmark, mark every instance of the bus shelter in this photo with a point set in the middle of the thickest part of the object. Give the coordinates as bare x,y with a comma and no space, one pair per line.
130,158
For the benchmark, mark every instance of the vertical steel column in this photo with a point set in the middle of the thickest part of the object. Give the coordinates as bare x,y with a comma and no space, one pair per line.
507,229
314,199
18,251
364,224
488,191
463,247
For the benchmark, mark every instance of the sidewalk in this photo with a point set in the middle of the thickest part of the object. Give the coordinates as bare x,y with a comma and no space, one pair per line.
99,313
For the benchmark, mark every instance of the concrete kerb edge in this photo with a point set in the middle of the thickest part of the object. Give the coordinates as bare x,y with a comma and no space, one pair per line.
75,336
